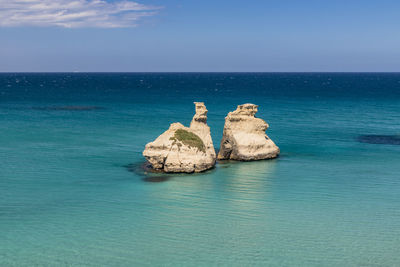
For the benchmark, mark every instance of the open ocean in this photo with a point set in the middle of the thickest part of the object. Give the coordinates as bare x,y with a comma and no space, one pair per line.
73,193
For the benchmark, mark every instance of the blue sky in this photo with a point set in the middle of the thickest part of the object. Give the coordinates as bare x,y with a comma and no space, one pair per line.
172,35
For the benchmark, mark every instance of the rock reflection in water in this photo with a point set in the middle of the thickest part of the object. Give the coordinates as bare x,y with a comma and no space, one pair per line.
156,179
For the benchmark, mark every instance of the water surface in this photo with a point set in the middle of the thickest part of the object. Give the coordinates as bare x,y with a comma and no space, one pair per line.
72,191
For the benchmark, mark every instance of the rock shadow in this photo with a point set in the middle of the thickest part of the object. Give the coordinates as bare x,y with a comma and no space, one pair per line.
147,173
150,175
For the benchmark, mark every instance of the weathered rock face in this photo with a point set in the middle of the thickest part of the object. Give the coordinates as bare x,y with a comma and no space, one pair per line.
244,136
183,149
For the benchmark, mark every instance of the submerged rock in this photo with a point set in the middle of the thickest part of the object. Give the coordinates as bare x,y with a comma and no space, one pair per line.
69,108
244,136
380,139
183,149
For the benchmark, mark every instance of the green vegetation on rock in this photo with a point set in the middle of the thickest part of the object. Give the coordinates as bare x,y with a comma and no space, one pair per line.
190,139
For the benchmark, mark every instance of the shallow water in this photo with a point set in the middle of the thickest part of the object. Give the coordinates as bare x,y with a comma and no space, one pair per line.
72,191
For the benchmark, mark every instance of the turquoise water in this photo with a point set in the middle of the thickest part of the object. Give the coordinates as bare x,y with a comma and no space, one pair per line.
72,191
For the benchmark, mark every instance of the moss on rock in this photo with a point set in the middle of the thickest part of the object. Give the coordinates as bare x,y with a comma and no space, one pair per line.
190,139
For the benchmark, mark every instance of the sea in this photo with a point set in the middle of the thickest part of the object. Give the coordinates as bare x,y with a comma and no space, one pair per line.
73,190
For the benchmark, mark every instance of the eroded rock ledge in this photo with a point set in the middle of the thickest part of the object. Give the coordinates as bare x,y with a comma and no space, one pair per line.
244,136
183,149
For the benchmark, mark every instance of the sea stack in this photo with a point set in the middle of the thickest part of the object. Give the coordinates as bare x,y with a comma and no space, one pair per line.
244,136
183,149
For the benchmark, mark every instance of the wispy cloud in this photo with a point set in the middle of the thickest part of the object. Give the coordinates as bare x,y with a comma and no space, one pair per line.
73,13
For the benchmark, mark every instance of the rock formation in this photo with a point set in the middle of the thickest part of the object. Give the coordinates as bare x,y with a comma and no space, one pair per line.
244,136
183,149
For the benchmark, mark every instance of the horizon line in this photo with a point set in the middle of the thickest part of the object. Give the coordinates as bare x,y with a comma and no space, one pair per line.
189,72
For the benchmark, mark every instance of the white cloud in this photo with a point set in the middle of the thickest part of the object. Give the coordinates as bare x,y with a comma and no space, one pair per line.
73,13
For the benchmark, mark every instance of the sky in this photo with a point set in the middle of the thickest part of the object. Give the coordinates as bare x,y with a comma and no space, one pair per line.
199,36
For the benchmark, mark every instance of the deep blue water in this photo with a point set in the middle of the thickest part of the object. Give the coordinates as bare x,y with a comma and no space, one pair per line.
72,191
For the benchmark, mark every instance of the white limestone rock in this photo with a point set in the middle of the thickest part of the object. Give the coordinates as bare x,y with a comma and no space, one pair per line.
183,149
244,136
